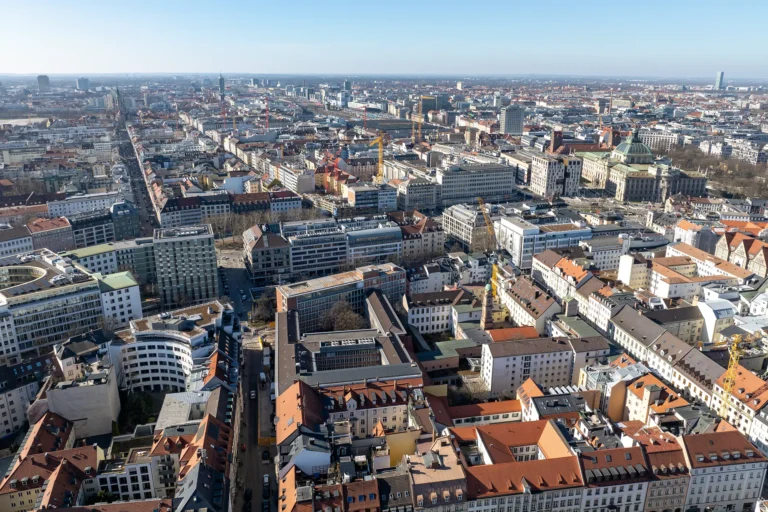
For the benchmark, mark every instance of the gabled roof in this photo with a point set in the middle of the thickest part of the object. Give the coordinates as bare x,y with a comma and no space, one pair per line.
707,450
299,404
516,478
749,389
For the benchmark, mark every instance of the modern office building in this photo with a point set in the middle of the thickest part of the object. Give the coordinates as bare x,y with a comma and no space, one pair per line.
44,300
417,194
302,249
125,219
511,120
522,239
92,228
185,260
83,84
465,183
555,175
720,81
465,223
313,299
160,352
82,203
43,83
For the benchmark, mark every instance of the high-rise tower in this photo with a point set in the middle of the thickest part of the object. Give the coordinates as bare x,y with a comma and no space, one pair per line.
720,81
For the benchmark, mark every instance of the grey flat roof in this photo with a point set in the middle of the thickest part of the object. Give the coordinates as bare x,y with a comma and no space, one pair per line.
337,377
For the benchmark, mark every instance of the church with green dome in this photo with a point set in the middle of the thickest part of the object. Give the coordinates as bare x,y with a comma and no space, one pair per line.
631,173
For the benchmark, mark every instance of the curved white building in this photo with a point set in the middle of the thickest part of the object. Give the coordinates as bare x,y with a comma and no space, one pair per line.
158,353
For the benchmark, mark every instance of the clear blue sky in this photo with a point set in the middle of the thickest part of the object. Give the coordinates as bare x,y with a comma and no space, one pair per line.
578,37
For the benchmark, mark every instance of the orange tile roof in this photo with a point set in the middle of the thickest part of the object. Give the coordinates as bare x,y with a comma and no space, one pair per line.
613,458
212,444
653,439
484,409
38,225
151,505
49,434
706,450
512,478
749,389
623,361
571,269
500,438
528,390
513,333
299,404
43,465
751,227
687,225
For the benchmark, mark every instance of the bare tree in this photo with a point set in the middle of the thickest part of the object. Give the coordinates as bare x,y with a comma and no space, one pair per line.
342,317
481,242
219,225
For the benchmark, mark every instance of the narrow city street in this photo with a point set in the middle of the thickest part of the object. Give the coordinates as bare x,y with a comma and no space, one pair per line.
138,186
256,424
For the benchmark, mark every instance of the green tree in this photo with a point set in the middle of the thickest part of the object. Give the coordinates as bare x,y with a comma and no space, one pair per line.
101,497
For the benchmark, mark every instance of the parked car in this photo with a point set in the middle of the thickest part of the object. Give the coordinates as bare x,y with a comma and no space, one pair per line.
253,394
265,457
248,495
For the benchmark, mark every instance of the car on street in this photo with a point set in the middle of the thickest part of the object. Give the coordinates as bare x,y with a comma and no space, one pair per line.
265,457
265,494
247,506
242,447
265,506
253,394
248,495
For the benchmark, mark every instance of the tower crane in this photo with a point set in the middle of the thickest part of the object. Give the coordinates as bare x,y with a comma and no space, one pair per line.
729,380
379,179
419,119
494,243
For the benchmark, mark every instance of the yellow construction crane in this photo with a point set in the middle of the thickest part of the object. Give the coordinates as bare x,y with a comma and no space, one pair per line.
416,119
494,243
379,178
419,120
729,381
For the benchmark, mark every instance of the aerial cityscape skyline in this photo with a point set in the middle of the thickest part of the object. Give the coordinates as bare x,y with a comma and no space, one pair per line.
383,257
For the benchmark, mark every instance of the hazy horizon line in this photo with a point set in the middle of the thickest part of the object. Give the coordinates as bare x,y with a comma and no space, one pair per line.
250,74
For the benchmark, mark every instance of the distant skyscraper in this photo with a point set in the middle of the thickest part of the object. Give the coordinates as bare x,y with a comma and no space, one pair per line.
720,81
222,86
428,103
347,85
511,120
83,84
43,83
